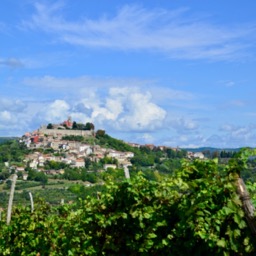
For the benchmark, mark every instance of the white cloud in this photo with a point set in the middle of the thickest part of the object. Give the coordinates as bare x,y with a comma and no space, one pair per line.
126,109
141,114
239,136
231,136
5,116
185,141
226,127
237,103
136,28
229,83
182,125
165,93
84,85
117,109
12,105
11,63
57,111
147,138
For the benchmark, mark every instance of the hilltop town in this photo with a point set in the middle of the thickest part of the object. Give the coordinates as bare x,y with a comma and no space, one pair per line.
74,142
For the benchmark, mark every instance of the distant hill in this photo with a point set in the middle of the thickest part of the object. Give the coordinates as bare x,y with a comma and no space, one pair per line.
4,139
201,149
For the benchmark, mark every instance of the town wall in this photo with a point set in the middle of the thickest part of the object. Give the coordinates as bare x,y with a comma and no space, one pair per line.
65,132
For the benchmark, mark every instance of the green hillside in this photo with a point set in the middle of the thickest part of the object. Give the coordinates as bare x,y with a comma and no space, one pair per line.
4,139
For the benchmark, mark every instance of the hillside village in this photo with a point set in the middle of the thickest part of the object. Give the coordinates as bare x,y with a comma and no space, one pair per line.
73,152
58,143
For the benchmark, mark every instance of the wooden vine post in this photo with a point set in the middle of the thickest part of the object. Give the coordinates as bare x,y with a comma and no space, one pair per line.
126,172
9,211
31,201
247,205
1,210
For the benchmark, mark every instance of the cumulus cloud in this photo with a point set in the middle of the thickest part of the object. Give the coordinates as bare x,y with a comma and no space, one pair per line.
182,125
5,116
147,138
239,136
120,109
185,140
12,105
11,63
136,28
56,111
230,136
133,110
226,127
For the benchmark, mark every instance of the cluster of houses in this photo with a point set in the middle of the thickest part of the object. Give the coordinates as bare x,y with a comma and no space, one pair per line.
76,152
73,153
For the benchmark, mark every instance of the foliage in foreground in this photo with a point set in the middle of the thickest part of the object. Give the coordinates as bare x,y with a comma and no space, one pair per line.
197,212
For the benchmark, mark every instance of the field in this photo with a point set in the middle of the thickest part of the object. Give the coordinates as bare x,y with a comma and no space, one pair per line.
53,192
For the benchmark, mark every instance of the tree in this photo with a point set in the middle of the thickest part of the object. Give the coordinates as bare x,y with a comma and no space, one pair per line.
87,162
89,126
100,133
41,177
20,174
74,126
215,154
49,126
4,175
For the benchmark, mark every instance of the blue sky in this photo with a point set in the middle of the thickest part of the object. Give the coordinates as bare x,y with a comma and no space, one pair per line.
175,73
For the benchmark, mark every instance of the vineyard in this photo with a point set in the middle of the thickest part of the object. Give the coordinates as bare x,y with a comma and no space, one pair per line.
197,211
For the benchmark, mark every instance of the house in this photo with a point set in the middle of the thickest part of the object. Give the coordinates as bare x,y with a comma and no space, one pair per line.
41,161
33,164
162,148
19,169
25,176
35,139
88,151
190,154
61,171
199,155
106,166
66,161
129,154
50,172
64,146
83,147
116,154
150,146
135,145
68,123
79,162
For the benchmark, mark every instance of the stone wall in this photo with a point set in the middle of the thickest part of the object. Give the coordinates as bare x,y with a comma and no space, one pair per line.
56,132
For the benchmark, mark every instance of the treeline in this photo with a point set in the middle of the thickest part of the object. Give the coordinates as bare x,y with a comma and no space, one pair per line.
75,126
12,150
219,153
4,139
